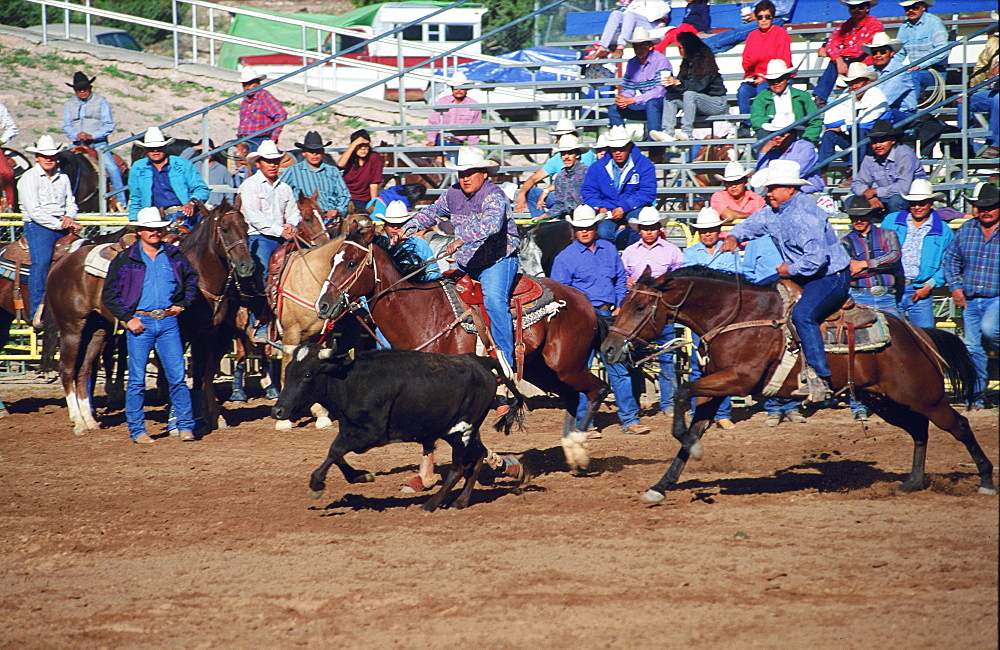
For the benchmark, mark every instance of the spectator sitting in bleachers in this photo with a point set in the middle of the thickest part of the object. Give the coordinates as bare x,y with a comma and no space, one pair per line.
641,95
782,103
899,90
921,34
697,20
839,120
697,89
724,41
648,14
790,146
618,186
986,100
887,172
764,44
736,201
566,184
845,45
527,196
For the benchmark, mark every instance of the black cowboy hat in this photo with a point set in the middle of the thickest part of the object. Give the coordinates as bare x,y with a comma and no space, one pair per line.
80,81
884,129
857,206
985,195
312,142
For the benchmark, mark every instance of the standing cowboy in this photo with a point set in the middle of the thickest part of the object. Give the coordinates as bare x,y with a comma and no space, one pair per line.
314,174
258,111
813,258
169,183
148,285
593,266
49,212
487,243
87,121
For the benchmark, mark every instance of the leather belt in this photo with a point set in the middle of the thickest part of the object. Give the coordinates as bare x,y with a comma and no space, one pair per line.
156,314
607,306
875,291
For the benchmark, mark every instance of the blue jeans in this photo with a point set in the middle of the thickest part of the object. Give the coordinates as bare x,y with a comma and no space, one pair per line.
924,78
621,385
650,112
114,175
165,336
780,405
887,303
980,320
533,194
724,41
667,376
920,313
745,94
983,102
497,281
41,245
824,85
261,247
725,411
821,296
622,239
831,140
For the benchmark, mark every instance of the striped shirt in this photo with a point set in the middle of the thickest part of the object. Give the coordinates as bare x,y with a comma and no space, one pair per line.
972,262
880,248
642,80
333,193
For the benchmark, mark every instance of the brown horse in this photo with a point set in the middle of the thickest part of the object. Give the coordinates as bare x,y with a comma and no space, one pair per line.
219,252
903,383
418,316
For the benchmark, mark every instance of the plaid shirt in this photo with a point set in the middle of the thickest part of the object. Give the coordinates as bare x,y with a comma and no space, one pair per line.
847,39
972,262
880,248
260,112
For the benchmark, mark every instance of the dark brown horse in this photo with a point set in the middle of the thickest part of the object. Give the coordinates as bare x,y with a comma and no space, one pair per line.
903,382
218,249
418,316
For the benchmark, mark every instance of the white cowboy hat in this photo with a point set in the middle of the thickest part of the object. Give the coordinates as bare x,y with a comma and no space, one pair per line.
570,142
734,172
857,70
641,35
777,123
154,139
707,218
779,172
149,218
907,3
617,136
457,79
851,3
249,73
584,216
396,213
602,142
882,39
563,127
921,190
46,146
648,216
509,189
776,69
472,158
267,150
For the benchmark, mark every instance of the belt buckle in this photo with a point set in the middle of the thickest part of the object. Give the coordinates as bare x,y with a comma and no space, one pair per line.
158,314
877,291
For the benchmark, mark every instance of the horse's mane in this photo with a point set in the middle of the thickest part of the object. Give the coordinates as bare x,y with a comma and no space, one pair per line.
200,236
704,273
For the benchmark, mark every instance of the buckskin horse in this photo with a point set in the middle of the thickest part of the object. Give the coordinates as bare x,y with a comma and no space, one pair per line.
902,382
419,316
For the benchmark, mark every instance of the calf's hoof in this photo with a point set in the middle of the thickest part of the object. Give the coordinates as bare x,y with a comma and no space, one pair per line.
324,422
987,489
910,486
283,425
315,494
362,477
652,496
696,451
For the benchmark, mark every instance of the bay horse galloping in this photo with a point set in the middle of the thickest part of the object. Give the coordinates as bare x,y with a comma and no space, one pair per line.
219,252
419,316
902,382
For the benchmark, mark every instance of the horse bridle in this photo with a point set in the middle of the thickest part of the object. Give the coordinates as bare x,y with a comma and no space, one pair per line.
349,283
230,275
674,309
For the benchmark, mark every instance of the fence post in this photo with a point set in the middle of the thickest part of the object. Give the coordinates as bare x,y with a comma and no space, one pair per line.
194,37
102,180
402,93
964,105
205,145
177,52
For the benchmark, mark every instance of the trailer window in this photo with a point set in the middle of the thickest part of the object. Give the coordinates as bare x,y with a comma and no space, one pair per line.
459,33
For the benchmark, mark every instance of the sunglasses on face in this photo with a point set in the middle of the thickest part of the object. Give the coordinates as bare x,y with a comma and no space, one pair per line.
882,50
765,17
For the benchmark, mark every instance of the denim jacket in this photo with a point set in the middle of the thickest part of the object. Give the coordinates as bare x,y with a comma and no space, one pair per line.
932,250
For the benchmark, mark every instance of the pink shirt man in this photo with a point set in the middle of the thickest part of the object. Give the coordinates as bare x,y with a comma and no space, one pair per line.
661,257
461,113
749,203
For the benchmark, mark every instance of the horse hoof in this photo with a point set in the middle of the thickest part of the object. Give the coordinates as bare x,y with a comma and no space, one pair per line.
4,413
652,496
283,425
324,423
909,486
575,449
367,477
413,485
696,451
987,489
221,423
315,494
238,397
80,431
271,393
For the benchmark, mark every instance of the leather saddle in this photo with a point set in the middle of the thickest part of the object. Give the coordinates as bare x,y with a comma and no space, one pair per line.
857,315
275,269
526,289
18,252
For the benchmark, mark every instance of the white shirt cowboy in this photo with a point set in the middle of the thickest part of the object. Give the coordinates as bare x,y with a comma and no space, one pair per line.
268,207
46,199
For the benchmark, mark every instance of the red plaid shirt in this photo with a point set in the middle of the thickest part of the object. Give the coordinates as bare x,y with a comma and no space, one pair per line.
260,112
846,40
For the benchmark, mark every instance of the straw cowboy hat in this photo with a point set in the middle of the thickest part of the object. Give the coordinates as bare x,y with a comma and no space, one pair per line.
312,142
734,171
617,136
249,74
602,142
149,218
472,158
779,172
46,146
584,216
267,150
641,35
563,127
776,69
852,3
648,216
921,190
880,40
570,142
396,213
857,206
857,70
154,139
80,81
707,218
985,195
779,123
457,79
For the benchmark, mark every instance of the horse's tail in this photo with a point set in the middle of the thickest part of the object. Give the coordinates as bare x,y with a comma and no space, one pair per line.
50,339
960,370
514,414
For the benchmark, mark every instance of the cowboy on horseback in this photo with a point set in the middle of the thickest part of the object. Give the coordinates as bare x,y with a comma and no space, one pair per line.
487,243
813,258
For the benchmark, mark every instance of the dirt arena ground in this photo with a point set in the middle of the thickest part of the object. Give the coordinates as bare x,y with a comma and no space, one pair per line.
779,537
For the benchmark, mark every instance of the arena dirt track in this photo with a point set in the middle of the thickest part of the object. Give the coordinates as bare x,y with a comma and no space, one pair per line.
779,537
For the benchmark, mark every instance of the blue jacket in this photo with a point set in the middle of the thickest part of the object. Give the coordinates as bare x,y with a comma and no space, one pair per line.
184,179
638,187
934,245
123,286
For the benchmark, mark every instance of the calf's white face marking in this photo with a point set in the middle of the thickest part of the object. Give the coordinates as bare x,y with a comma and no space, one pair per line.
301,354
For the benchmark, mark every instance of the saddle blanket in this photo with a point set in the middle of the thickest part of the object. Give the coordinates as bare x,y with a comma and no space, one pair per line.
873,337
545,306
97,263
8,269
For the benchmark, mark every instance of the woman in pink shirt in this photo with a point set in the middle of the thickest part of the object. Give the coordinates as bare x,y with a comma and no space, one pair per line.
768,41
